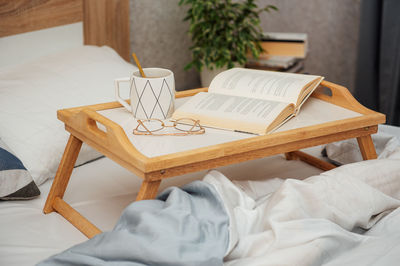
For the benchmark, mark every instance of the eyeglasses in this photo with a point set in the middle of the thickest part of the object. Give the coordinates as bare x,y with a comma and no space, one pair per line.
184,126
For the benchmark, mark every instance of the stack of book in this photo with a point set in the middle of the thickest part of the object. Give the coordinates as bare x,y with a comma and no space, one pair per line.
284,52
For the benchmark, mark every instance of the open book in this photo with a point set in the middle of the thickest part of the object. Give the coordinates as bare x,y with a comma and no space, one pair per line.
249,100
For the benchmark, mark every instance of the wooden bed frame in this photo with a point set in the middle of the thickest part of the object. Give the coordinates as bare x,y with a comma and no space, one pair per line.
105,22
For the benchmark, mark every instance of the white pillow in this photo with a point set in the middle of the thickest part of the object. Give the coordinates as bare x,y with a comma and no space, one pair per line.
31,94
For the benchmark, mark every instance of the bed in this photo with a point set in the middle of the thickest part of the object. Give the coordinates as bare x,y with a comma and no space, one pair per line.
35,85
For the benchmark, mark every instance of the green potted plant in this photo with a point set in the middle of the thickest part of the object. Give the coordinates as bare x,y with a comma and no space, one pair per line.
223,32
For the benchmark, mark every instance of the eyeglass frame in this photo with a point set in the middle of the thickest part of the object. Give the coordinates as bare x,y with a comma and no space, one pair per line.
163,125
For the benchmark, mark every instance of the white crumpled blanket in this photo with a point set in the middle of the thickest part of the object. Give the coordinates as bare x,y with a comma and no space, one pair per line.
325,219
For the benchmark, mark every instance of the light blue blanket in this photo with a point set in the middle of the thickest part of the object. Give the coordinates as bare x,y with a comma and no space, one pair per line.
187,226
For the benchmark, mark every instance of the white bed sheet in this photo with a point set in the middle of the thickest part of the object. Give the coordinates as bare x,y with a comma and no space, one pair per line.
100,190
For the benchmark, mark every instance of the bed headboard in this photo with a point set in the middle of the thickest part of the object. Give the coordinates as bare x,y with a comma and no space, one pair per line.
105,22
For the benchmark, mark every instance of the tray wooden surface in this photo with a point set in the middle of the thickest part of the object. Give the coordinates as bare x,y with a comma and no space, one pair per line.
110,139
81,122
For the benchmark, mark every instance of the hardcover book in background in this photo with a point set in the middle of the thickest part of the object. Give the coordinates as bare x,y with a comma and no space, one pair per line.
297,67
274,61
284,52
284,44
250,100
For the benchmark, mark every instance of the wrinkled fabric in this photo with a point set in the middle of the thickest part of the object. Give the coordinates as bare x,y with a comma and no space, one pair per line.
187,226
316,221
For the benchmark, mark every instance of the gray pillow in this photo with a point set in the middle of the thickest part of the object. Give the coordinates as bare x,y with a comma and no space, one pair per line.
15,181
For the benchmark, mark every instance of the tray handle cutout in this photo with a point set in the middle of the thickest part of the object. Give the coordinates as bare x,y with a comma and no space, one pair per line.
340,96
96,124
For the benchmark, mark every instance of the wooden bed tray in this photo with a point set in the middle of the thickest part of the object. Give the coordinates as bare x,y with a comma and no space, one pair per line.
82,122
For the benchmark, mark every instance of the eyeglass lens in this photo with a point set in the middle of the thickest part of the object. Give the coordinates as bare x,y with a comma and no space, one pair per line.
151,125
187,125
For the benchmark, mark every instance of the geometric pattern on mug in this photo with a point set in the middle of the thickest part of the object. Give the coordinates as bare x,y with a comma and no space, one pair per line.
154,99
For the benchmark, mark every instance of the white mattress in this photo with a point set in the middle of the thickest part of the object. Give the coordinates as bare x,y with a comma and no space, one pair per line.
100,190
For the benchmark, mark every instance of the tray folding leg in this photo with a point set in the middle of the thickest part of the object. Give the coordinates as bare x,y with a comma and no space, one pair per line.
367,147
148,190
365,144
311,160
54,200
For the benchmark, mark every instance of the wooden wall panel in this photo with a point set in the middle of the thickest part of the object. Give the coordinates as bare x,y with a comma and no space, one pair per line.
19,16
106,22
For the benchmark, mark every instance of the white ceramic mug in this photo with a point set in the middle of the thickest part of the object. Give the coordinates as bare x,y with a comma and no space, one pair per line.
152,96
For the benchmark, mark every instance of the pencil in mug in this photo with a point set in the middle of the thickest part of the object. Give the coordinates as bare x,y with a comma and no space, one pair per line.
138,65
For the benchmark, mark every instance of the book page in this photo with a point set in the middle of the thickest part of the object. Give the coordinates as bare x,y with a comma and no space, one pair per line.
275,86
231,112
